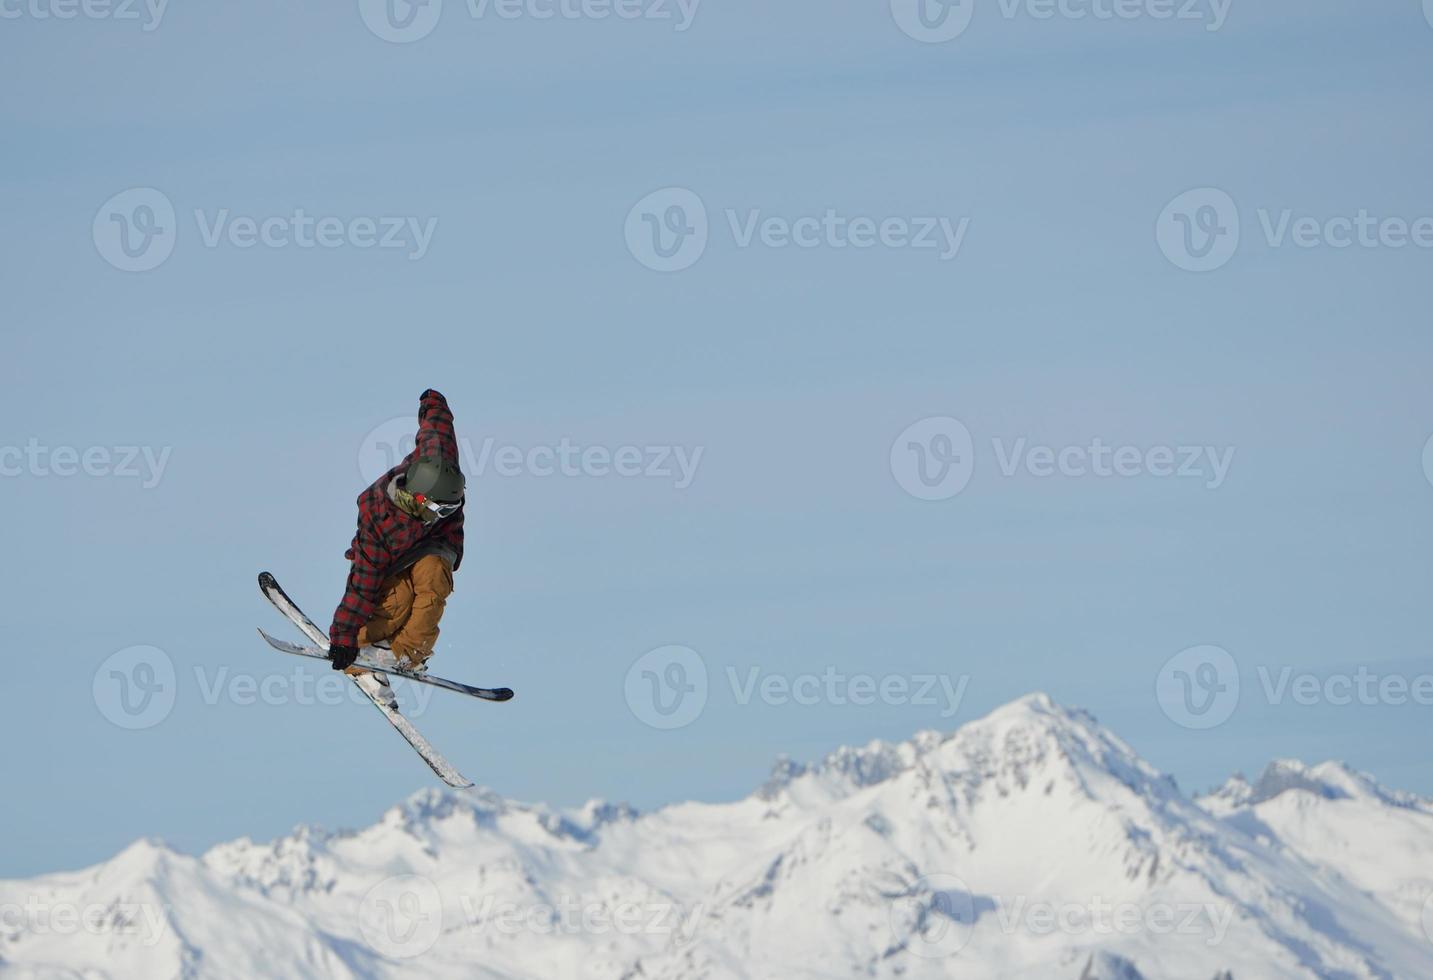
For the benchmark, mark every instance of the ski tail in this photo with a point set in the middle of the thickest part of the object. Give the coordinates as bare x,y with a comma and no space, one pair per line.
441,767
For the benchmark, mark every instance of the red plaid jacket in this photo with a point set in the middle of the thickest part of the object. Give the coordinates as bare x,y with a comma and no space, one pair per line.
386,534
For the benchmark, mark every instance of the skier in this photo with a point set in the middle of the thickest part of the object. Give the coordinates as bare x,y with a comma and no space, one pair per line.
409,543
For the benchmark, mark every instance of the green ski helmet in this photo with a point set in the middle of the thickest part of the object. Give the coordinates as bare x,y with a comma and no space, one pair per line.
435,481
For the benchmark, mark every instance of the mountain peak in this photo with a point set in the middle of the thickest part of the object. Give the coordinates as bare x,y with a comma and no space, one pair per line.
1034,703
1007,745
1330,780
146,849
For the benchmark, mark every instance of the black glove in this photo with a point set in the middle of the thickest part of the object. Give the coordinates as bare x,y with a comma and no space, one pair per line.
342,657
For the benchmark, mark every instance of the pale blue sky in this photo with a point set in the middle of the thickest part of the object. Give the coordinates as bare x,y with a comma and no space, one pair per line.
794,549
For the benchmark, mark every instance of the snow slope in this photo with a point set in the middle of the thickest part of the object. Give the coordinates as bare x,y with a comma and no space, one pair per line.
1031,843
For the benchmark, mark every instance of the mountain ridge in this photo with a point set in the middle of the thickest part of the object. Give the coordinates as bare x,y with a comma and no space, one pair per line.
1011,847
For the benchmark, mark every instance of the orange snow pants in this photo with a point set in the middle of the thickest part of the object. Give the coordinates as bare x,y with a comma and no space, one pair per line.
411,606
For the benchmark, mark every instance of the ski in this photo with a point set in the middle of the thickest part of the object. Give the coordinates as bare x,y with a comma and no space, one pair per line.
374,685
367,660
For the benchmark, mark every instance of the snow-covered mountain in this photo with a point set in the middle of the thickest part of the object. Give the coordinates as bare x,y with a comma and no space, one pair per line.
1029,844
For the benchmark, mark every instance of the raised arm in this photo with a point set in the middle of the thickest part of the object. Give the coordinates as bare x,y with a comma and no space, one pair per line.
436,438
435,428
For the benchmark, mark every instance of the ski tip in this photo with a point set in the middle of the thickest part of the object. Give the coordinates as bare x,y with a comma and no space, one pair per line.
266,579
502,694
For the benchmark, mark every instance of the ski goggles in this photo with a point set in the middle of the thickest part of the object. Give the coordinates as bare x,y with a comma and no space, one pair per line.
442,510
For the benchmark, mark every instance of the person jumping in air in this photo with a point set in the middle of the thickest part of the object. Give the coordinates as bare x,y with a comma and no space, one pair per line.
408,545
